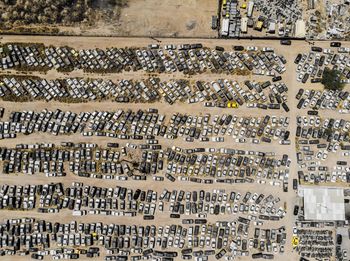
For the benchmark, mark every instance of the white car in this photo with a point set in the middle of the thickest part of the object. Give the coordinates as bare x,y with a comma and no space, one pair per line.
295,231
241,140
275,183
252,48
256,141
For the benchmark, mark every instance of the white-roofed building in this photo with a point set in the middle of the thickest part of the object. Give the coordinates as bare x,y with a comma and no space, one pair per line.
323,203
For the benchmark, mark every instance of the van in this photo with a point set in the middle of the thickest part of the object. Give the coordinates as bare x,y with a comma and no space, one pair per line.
295,184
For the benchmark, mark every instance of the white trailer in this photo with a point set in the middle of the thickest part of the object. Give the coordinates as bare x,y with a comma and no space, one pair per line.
250,8
244,24
225,27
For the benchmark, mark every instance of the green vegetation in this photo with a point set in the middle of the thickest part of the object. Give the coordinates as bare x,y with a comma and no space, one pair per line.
45,12
121,3
18,13
331,79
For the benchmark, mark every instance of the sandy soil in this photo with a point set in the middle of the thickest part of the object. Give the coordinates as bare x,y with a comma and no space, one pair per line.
289,77
179,18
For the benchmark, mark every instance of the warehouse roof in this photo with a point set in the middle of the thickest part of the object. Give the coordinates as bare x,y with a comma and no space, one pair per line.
324,203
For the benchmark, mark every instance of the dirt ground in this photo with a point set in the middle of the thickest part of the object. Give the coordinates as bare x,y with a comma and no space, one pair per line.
153,18
170,18
89,42
167,18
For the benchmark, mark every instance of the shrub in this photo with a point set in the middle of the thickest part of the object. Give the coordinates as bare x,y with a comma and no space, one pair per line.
331,79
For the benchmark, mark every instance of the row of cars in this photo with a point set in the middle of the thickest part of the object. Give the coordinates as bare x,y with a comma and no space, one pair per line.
195,238
229,168
315,243
137,125
123,122
45,158
204,127
317,139
188,59
324,100
312,65
122,201
341,253
220,93
194,165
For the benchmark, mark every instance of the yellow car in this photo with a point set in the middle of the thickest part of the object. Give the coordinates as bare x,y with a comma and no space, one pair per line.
233,105
295,241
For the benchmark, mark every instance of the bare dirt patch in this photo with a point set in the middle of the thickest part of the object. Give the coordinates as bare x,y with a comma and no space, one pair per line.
151,18
185,18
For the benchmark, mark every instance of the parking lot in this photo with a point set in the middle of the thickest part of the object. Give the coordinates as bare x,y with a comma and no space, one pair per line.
180,139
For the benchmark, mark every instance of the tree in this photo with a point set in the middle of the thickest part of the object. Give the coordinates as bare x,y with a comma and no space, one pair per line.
118,2
331,79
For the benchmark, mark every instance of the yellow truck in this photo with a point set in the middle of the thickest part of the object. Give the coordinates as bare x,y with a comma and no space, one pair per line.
224,4
258,25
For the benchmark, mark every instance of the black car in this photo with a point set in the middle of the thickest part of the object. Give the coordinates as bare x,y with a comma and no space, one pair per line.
148,217
299,94
286,135
339,239
257,255
221,253
295,184
312,112
112,145
286,42
316,49
36,256
298,58
296,210
276,79
300,103
238,48
316,80
335,44
285,107
305,77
